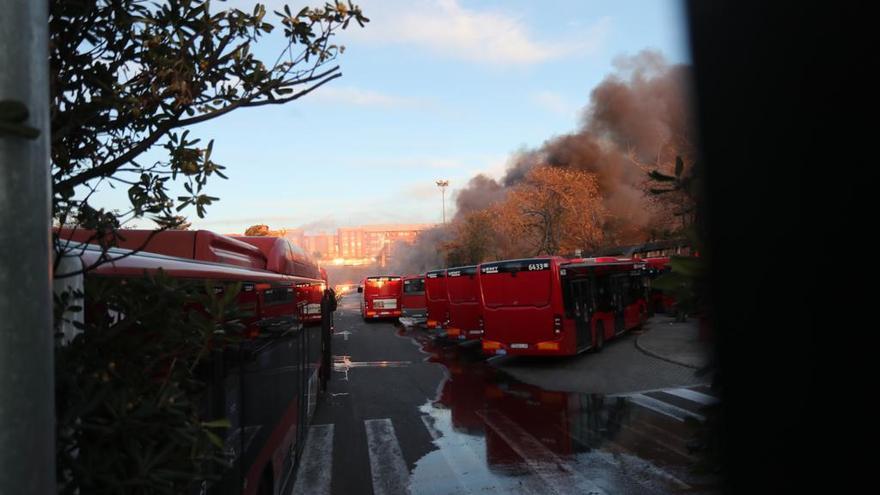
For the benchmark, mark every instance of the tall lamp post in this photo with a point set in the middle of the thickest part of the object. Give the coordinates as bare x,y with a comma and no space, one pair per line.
442,183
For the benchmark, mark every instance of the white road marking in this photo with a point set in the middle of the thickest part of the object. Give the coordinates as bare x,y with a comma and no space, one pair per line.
316,465
693,395
387,467
664,408
557,473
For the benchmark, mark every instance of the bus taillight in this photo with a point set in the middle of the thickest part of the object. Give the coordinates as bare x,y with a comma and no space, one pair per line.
557,324
547,346
491,345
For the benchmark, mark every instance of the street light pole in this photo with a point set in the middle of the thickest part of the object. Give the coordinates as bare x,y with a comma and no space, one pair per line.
27,389
442,185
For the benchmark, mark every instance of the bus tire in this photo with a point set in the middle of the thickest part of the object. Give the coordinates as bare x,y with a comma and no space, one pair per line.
600,337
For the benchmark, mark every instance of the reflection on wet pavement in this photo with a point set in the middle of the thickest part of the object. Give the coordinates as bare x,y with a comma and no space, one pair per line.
496,435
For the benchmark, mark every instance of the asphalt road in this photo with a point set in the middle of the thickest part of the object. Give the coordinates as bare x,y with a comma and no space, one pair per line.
406,414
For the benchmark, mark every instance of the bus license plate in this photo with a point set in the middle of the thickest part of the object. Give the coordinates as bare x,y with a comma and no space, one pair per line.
519,346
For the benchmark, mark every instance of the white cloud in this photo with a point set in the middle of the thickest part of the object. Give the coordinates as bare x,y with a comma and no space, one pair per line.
348,95
553,102
447,28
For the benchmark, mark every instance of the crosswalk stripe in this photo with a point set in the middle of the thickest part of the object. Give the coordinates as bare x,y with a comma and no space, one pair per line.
664,408
316,464
387,467
692,395
557,473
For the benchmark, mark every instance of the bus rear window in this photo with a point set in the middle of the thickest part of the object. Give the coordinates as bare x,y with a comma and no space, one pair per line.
462,284
414,286
516,283
382,286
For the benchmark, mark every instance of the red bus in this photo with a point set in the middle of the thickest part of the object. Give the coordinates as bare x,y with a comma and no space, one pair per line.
550,306
436,299
285,257
659,302
266,388
463,295
521,305
605,298
413,303
381,297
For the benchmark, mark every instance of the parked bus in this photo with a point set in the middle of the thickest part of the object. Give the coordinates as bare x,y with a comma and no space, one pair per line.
521,304
285,257
658,302
413,303
605,298
266,385
436,299
551,306
381,297
463,295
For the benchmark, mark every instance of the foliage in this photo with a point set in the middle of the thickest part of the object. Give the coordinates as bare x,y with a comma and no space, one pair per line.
687,280
475,239
552,211
557,210
129,390
260,230
128,76
678,191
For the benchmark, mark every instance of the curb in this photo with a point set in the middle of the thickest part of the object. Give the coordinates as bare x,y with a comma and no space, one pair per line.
659,356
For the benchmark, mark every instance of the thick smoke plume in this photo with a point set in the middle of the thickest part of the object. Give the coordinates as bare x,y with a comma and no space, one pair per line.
637,119
426,254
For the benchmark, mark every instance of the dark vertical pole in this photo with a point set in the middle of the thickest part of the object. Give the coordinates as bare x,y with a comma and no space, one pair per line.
27,421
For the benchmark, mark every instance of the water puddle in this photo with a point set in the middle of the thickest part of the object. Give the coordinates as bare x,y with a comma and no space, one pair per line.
495,434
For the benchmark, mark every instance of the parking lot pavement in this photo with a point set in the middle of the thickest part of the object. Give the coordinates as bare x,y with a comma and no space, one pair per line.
620,368
676,342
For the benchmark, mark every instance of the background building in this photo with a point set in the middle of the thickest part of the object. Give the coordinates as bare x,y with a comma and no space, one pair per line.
363,245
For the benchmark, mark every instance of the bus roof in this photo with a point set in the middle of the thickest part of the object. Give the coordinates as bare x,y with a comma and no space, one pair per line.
126,264
461,270
436,273
618,263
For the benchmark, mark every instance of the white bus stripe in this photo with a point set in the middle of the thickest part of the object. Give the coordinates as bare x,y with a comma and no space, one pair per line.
316,465
664,408
558,474
387,467
693,395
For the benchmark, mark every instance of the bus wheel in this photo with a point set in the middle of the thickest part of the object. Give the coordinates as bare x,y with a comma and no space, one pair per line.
600,337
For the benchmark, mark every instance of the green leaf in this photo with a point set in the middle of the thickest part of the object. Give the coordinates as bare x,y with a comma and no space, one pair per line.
217,423
214,439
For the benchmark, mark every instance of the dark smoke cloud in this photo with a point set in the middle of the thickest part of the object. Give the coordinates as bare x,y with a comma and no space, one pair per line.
639,112
480,192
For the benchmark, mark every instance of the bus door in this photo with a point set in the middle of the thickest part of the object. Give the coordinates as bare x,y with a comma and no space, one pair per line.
582,305
619,287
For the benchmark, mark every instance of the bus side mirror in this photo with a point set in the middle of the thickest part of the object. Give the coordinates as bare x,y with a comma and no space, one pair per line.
360,289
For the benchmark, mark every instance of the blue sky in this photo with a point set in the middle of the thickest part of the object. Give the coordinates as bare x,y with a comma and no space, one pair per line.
430,90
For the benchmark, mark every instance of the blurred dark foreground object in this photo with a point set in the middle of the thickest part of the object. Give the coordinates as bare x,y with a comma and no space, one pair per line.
780,90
